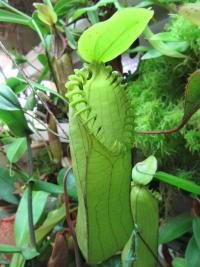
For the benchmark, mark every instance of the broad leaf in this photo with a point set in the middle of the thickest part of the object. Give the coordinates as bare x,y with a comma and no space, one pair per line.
46,14
178,182
144,171
175,227
191,12
11,112
7,187
21,221
192,254
16,149
106,40
196,230
179,262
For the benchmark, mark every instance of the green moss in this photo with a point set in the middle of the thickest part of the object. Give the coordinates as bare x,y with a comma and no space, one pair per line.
157,95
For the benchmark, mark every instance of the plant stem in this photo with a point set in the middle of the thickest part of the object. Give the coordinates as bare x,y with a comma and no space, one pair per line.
30,189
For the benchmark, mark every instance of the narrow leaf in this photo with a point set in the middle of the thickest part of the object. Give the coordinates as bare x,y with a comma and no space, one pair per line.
163,48
5,248
175,227
7,16
196,230
106,40
52,219
192,95
192,254
178,182
179,262
47,187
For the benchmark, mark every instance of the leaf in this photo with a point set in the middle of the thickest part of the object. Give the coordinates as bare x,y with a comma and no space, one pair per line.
46,14
164,36
7,187
7,16
47,187
11,112
71,182
192,95
192,254
5,248
179,262
191,11
81,11
70,38
16,149
63,6
175,227
16,84
196,230
106,40
144,171
178,182
114,261
163,48
21,222
31,101
52,219
152,53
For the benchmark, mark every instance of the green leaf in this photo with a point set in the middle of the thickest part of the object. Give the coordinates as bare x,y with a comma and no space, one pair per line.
163,48
21,222
7,16
164,36
16,149
191,11
178,182
52,219
11,112
71,182
144,171
70,38
5,248
106,40
196,230
63,6
16,84
31,101
7,187
192,254
81,11
179,262
47,187
152,53
46,14
175,227
192,95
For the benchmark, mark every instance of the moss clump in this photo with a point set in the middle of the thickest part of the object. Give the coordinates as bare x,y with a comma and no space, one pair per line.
157,95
